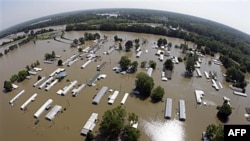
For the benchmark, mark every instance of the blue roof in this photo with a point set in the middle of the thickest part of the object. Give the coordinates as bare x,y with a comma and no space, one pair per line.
61,74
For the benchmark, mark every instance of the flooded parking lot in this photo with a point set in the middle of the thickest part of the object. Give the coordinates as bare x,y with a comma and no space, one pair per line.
19,125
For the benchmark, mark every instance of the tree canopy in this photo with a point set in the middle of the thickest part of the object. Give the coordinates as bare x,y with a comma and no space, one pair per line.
190,66
169,65
113,123
157,94
128,45
215,132
124,62
144,83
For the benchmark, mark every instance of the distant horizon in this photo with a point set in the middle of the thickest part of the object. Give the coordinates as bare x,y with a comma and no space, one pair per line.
238,18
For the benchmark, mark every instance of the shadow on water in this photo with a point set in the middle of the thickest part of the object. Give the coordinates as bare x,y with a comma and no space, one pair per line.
222,118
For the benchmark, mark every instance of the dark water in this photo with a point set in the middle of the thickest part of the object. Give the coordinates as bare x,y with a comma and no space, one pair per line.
19,125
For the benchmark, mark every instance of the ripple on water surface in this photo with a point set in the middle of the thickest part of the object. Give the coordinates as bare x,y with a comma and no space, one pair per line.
169,130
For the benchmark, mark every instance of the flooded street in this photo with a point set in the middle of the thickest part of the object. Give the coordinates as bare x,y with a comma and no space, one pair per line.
16,124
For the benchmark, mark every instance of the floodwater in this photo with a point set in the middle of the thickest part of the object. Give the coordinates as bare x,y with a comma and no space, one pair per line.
19,125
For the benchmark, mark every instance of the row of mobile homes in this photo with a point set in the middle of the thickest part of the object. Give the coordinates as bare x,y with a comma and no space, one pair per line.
72,62
214,84
199,95
100,67
66,90
182,110
90,124
42,108
53,112
138,54
76,91
31,99
168,108
85,64
198,72
113,97
16,97
46,82
206,74
149,71
124,98
39,81
58,70
51,85
99,95
92,81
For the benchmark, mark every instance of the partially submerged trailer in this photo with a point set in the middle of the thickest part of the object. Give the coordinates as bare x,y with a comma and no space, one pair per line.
182,110
149,71
168,108
113,97
199,95
198,72
38,81
85,64
46,82
71,85
51,85
99,95
100,67
77,90
16,97
53,112
124,98
31,99
138,54
90,124
42,108
92,81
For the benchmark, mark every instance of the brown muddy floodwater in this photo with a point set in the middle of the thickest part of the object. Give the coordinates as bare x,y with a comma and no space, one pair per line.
16,124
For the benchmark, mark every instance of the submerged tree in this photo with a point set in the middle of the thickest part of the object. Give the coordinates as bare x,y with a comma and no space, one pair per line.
7,86
144,83
124,62
157,94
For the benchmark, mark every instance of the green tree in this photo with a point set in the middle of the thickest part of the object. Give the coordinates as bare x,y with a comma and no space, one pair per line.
124,62
28,68
215,132
7,86
79,49
190,66
53,54
116,38
97,36
128,45
169,65
13,78
75,41
152,64
112,123
89,136
22,75
143,64
59,62
134,65
37,63
130,134
224,111
144,83
157,94
81,40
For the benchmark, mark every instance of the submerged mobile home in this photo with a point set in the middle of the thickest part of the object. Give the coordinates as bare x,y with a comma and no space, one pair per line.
168,108
42,108
53,112
32,98
99,96
182,110
90,124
